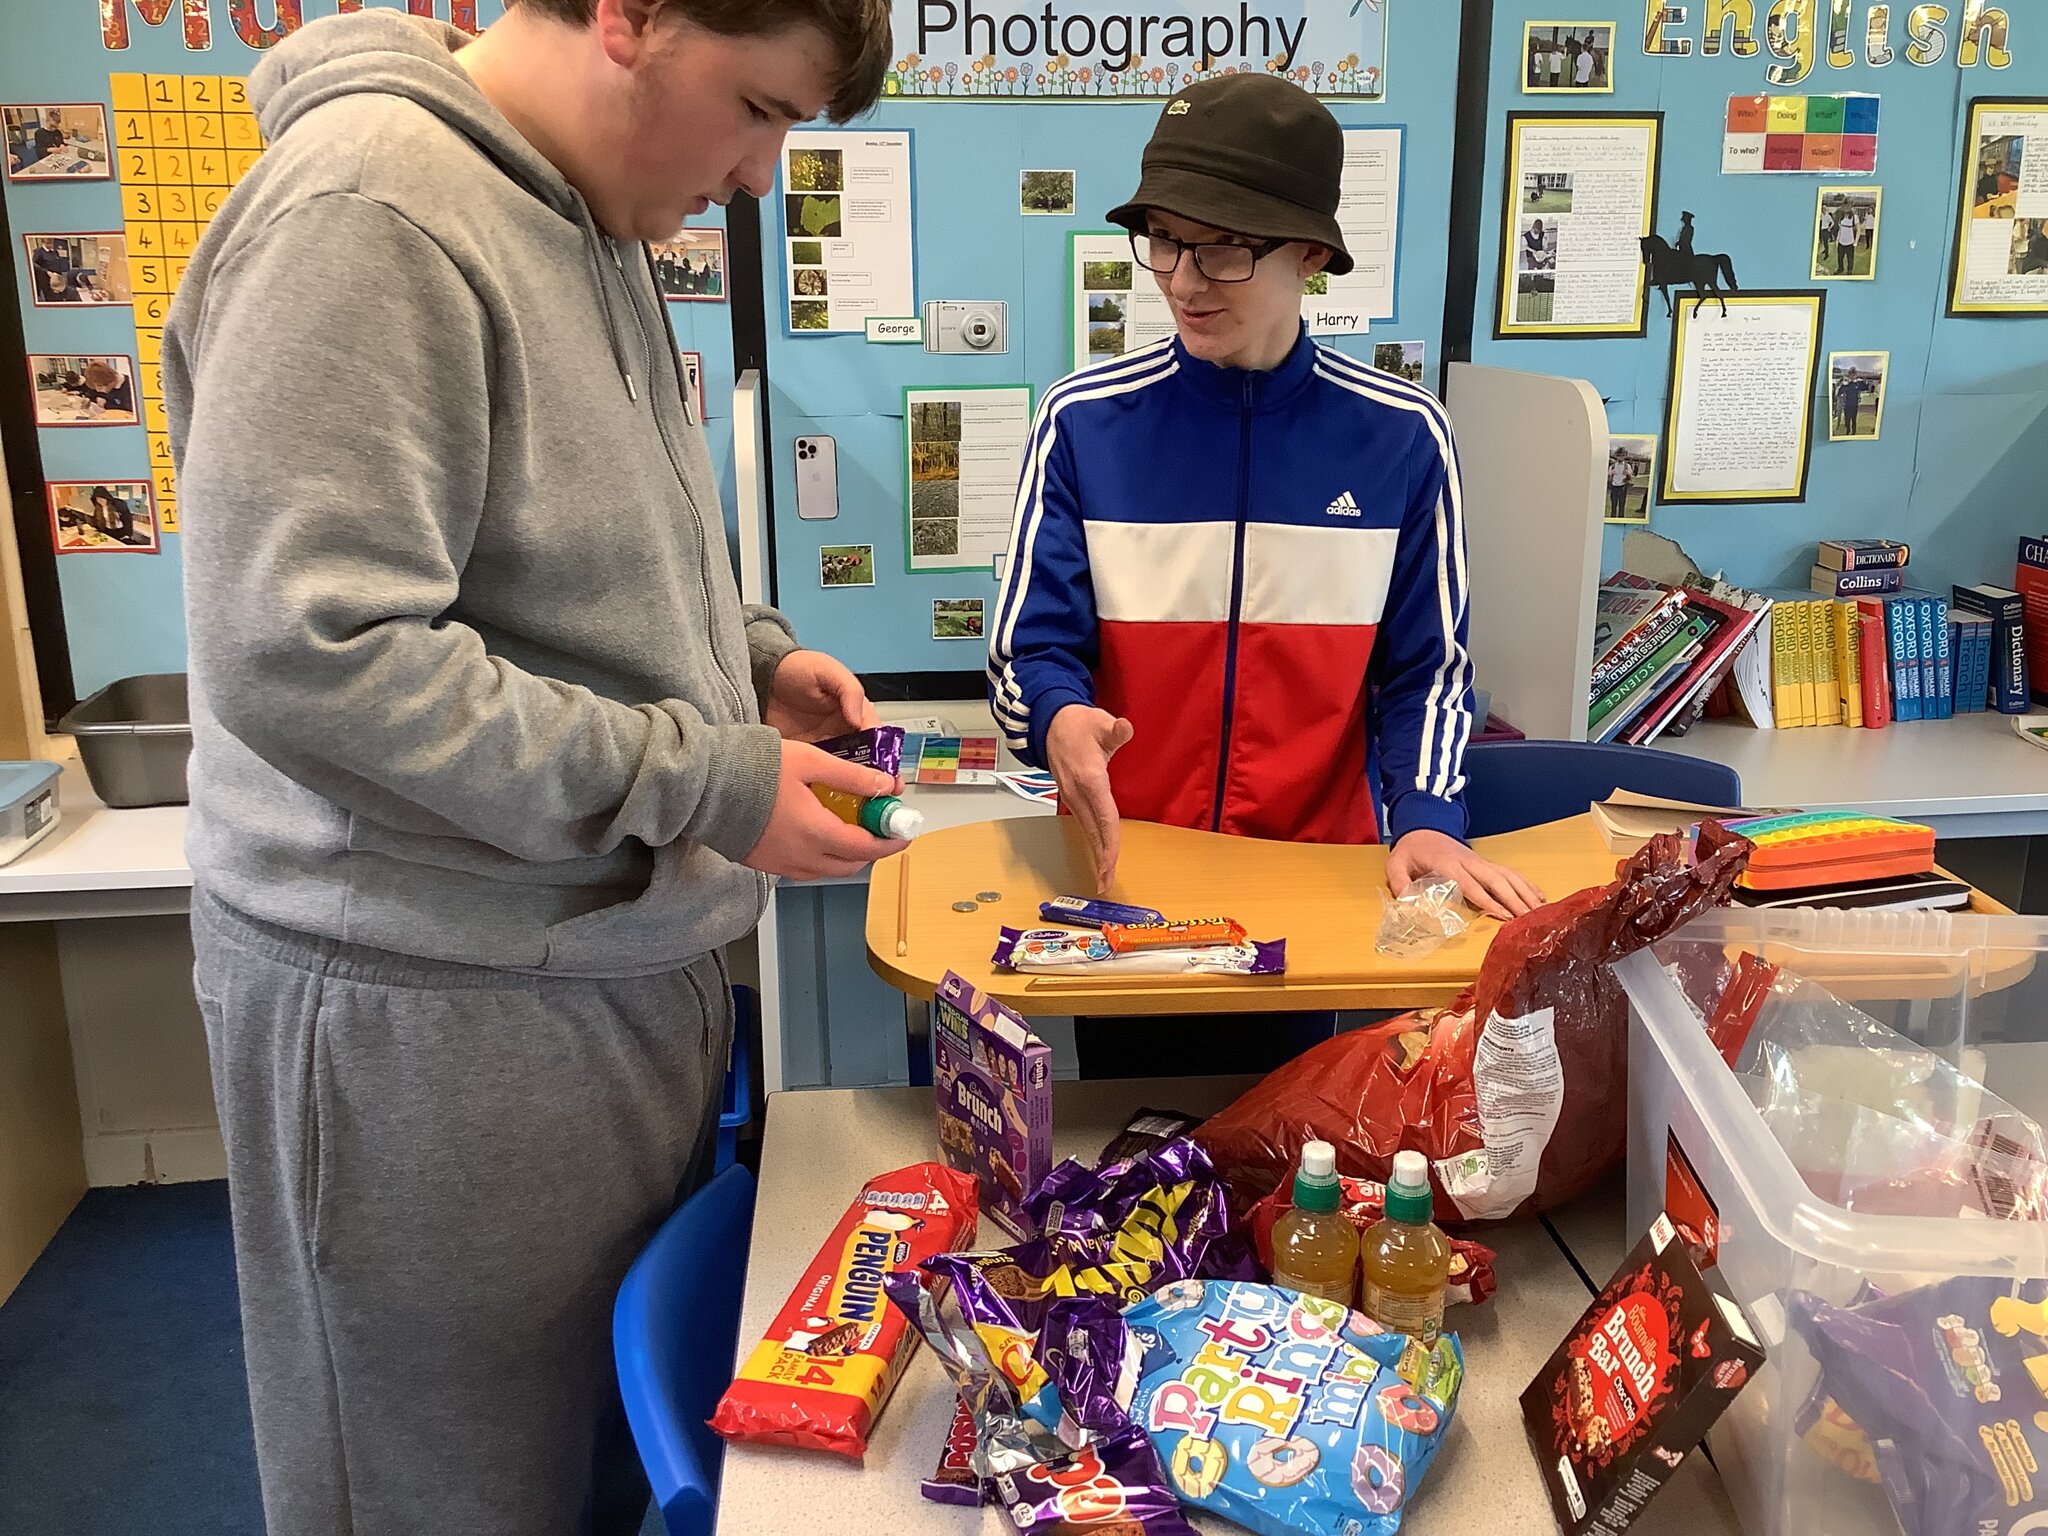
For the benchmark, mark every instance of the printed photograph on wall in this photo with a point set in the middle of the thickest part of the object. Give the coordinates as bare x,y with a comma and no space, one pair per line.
106,517
1856,395
1845,234
85,270
690,268
1578,221
1998,262
817,170
1630,463
93,390
935,477
1403,359
957,618
56,143
1567,58
846,565
693,375
1046,192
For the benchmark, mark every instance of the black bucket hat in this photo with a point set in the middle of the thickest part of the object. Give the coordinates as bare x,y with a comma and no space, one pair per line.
1248,153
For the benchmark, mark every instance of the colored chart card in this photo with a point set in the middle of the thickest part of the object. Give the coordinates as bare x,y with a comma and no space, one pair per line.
181,143
846,229
1741,414
1117,307
956,760
963,452
1800,135
1581,197
1369,213
1999,264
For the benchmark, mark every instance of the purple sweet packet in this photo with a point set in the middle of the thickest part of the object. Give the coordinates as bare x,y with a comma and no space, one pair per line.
879,747
1167,1205
1065,949
1939,1379
1115,1484
1093,1362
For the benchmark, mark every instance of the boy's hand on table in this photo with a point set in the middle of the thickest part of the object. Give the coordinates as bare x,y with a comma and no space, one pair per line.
1491,888
1078,746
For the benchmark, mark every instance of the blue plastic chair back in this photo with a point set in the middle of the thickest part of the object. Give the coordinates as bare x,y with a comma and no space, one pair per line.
1514,784
674,1330
736,1103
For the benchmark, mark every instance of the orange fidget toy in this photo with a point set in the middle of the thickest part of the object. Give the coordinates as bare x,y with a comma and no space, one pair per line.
1831,847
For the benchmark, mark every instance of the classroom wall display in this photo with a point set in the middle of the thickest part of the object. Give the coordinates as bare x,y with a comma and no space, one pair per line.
1092,49
1369,213
693,375
1116,305
78,270
1845,227
846,565
1580,198
1631,463
1738,426
846,227
963,452
107,517
91,390
1793,34
959,618
1800,135
1046,193
1856,383
1999,261
1567,58
63,142
1403,359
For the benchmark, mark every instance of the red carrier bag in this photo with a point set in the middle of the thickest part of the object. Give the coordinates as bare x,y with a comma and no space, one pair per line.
1517,1093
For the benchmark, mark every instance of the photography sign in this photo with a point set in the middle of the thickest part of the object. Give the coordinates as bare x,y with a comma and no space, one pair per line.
1065,50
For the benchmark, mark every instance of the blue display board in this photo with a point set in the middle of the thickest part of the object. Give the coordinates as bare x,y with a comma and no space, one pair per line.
1957,469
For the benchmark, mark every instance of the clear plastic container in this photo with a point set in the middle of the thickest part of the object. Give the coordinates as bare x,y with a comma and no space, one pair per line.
1971,989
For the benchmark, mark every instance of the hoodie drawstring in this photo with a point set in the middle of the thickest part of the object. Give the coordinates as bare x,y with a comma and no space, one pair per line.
611,324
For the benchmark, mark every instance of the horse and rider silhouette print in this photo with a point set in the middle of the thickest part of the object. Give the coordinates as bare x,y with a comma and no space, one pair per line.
1680,266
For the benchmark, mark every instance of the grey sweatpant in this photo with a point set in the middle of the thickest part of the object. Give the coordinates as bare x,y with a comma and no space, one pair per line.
439,1174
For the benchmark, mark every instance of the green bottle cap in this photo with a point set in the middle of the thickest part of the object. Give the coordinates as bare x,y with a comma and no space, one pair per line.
1315,1185
1408,1197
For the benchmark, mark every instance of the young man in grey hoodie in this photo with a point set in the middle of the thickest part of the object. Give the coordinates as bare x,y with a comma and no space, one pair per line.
480,786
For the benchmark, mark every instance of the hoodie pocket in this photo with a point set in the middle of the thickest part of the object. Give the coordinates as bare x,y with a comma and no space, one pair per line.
695,902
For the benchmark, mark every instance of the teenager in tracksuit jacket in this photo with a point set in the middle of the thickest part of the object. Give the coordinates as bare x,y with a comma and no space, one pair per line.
1238,559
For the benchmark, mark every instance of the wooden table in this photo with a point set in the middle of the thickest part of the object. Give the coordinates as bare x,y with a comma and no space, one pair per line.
820,1147
1324,899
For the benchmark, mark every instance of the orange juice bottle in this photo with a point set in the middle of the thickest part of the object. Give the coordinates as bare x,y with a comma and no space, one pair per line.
1315,1247
1406,1258
883,815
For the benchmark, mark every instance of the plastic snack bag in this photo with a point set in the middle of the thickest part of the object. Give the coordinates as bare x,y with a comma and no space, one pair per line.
1424,917
1513,1090
1284,1412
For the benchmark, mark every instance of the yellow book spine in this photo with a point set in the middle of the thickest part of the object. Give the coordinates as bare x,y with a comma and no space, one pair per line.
1849,663
1827,669
1802,676
1784,685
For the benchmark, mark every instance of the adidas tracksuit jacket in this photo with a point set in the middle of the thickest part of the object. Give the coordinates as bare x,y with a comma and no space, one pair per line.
1264,572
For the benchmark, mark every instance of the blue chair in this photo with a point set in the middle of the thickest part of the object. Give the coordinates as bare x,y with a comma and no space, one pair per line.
1514,784
674,1329
736,1102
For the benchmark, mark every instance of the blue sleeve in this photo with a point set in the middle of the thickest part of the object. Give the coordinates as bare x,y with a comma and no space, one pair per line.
1043,647
1421,714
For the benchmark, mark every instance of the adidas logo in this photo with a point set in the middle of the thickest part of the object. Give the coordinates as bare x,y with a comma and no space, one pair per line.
1343,506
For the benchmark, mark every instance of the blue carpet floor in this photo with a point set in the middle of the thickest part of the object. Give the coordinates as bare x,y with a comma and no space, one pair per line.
123,1407
122,1402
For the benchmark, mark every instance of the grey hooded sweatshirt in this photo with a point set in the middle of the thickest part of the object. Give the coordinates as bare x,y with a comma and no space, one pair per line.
470,675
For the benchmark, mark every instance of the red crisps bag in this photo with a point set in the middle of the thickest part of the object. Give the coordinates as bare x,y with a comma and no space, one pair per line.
1517,1092
835,1350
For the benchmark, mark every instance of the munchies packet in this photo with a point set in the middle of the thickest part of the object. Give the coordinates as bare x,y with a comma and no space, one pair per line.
993,1078
835,1350
1635,1385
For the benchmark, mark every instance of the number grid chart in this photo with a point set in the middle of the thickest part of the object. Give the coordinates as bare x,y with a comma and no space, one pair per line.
181,142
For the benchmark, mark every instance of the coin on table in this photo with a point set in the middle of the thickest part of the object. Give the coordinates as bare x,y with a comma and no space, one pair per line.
988,896
966,906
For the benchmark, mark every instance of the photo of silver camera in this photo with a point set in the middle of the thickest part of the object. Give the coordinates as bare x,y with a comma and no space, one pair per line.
967,325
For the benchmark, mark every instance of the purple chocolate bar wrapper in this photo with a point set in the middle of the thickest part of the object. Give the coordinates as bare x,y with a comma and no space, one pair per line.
1088,1353
880,748
1092,953
1081,1205
1116,1479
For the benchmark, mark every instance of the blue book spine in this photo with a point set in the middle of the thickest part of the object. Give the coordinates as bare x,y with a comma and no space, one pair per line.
1930,698
1905,668
1980,669
1944,658
1967,693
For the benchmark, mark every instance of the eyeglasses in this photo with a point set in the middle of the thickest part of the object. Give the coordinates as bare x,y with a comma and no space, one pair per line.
1218,261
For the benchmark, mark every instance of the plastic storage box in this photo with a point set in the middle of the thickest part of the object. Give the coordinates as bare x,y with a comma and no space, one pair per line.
134,737
1969,987
28,806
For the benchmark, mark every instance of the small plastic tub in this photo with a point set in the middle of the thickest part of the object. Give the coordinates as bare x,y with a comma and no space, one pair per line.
134,737
28,806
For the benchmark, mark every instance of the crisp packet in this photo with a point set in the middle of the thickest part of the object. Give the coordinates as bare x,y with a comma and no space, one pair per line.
1063,949
1110,1487
835,1350
954,1480
1364,1202
1284,1412
1949,1383
1425,916
879,747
